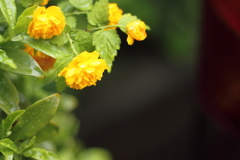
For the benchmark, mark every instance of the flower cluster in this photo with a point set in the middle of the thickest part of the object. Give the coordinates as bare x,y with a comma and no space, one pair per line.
45,62
84,70
46,23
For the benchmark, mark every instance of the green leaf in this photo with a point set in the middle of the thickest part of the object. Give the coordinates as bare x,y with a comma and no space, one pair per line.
7,143
2,18
124,20
11,118
26,65
43,46
6,152
61,83
98,15
7,124
71,21
40,154
27,144
107,42
84,41
35,117
62,62
9,98
23,20
82,4
6,60
65,6
48,132
27,3
60,40
8,9
8,157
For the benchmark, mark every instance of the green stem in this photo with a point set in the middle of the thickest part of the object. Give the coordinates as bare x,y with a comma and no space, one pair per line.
104,27
71,43
9,33
76,13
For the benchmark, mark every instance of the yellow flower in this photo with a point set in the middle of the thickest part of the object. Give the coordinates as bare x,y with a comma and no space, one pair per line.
46,23
114,14
45,62
84,70
136,30
45,2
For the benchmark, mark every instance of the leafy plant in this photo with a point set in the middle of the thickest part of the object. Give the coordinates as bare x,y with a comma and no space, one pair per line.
41,45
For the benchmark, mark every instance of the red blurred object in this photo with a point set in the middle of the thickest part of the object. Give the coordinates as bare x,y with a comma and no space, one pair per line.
229,11
220,63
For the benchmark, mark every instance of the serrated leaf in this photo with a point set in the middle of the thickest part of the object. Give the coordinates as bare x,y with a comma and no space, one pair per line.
62,61
65,6
6,124
60,40
24,19
98,15
8,9
40,154
27,3
35,117
84,40
9,98
43,46
107,42
125,19
82,4
47,132
7,143
61,83
71,21
6,60
26,65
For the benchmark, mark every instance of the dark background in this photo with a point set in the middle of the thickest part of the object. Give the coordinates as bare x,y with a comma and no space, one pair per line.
148,108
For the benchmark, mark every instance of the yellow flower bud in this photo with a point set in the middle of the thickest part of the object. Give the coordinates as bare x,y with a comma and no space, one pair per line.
45,2
84,70
115,14
136,30
46,23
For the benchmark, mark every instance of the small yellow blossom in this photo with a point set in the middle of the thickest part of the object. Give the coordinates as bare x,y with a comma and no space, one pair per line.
136,30
84,70
45,62
46,23
114,14
45,2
